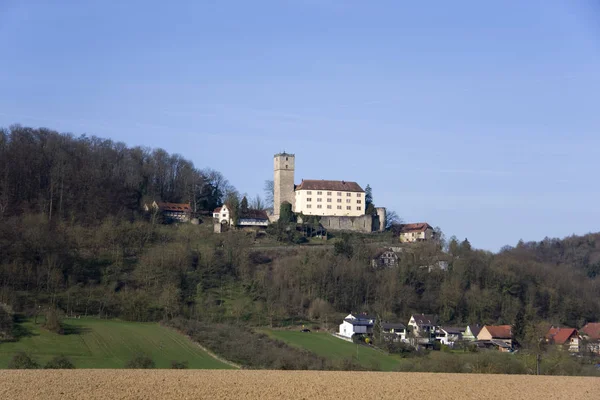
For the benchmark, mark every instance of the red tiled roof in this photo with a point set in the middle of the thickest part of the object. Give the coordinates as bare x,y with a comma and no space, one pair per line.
254,214
592,330
217,210
416,227
336,186
499,331
177,207
560,335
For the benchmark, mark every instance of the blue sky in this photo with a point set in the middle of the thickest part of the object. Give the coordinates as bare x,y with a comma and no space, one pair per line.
480,117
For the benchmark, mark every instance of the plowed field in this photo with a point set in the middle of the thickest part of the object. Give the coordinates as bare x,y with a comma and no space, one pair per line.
280,385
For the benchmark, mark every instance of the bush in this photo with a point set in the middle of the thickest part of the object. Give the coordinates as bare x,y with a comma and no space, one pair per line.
23,361
59,362
179,364
140,361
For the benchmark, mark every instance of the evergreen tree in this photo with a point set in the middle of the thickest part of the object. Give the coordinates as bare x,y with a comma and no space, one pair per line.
369,206
244,205
285,213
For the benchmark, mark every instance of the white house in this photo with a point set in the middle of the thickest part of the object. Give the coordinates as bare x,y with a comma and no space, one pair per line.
396,329
222,215
448,335
418,232
423,327
174,211
356,324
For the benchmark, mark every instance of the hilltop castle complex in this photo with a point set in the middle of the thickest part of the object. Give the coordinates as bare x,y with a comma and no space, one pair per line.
339,204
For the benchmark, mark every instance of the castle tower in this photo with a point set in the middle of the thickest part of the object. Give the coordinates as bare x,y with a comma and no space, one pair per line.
283,181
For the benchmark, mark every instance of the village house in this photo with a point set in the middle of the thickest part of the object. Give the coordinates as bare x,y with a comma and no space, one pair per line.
354,324
499,336
471,333
181,212
591,334
448,335
565,337
394,330
417,232
222,215
423,328
385,258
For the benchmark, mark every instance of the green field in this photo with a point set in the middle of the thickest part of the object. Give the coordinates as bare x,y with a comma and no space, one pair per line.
328,346
93,343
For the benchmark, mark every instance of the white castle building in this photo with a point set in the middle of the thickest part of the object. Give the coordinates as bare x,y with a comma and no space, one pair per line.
341,204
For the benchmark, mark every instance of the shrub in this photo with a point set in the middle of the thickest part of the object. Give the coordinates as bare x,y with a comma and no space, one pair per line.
140,361
59,362
23,361
179,364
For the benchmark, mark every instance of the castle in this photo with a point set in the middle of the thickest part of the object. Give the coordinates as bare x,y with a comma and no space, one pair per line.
340,205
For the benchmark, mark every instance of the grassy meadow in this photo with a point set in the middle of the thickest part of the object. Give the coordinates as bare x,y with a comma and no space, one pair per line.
328,346
94,343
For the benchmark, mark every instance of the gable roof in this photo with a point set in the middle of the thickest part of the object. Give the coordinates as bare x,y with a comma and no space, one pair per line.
359,322
499,331
335,186
454,330
425,319
175,207
475,329
254,214
393,325
415,227
560,335
592,329
217,210
362,316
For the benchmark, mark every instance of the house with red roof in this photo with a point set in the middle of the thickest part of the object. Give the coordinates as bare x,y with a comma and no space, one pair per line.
499,336
565,337
181,212
416,232
591,333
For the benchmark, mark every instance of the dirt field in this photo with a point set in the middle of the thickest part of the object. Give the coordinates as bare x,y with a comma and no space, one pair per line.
280,385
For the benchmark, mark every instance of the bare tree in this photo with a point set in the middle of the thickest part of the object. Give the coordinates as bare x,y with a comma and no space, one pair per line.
269,189
257,203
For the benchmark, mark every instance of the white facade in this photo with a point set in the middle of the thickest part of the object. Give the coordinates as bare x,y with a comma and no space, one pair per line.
222,215
414,236
356,324
330,203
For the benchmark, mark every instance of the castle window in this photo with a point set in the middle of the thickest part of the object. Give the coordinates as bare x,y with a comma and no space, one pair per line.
348,200
339,207
286,159
329,200
339,193
339,200
358,208
286,166
308,206
309,199
319,206
348,208
357,194
309,192
319,193
348,194
329,206
328,193
357,201
319,199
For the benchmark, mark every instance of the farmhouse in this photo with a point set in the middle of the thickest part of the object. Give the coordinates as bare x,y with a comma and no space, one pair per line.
416,232
181,212
499,336
385,258
247,218
222,215
356,324
340,204
566,337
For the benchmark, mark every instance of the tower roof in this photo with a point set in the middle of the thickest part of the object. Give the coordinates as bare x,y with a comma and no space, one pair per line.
284,154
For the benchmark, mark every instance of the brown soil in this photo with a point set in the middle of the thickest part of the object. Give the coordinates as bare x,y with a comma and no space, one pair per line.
280,385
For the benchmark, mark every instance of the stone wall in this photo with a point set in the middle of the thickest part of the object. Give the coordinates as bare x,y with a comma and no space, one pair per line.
364,223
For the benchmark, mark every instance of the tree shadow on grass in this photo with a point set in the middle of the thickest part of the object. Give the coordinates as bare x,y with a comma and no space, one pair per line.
74,329
19,330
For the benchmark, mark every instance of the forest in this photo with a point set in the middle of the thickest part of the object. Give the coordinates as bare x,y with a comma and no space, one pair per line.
74,238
